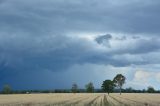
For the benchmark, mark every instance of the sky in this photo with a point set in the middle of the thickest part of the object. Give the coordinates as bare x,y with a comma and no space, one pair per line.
51,44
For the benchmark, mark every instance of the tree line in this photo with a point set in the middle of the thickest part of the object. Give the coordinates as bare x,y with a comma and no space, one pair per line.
108,86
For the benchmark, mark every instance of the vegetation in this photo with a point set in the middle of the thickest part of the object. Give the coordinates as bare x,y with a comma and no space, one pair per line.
129,98
90,87
74,88
119,80
6,89
80,99
108,86
150,89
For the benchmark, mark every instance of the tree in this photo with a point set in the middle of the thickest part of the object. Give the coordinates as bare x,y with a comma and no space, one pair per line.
74,88
144,91
108,86
150,89
6,89
119,80
129,90
90,87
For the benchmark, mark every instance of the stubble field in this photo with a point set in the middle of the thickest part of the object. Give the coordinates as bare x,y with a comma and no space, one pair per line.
80,99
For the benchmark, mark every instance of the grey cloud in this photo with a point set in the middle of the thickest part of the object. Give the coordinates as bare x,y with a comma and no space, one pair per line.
42,17
103,38
133,45
55,52
145,46
59,52
34,34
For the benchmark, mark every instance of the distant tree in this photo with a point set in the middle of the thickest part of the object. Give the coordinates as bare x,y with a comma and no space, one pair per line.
129,90
6,89
108,86
150,89
74,88
90,87
144,91
119,80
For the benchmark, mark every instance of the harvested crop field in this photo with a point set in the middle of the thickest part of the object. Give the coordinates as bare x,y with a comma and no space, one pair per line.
80,99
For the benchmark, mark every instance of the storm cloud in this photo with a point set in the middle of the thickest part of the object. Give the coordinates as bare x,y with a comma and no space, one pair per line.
43,37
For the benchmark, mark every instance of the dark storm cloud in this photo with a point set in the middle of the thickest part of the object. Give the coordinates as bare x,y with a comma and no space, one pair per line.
33,32
35,35
141,46
130,45
103,38
57,53
42,17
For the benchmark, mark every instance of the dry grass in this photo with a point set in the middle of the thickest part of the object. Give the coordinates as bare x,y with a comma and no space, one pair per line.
139,99
80,99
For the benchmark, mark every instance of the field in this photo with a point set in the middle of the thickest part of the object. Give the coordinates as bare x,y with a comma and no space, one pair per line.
80,99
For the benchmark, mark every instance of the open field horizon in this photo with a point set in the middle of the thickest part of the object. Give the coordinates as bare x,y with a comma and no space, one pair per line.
80,99
58,52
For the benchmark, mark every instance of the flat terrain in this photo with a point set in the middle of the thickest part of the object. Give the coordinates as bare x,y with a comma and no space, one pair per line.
80,99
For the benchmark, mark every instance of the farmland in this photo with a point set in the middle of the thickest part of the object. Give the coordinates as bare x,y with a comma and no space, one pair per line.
80,99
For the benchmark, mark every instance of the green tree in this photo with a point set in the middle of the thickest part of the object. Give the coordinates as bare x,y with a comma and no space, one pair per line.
119,80
74,88
90,87
108,86
129,90
150,89
7,89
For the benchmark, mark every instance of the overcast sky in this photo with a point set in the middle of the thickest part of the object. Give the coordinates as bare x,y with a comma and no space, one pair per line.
50,44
